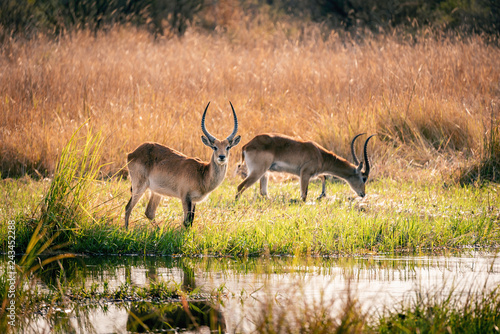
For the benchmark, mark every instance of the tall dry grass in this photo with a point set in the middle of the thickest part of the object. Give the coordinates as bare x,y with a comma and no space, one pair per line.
430,100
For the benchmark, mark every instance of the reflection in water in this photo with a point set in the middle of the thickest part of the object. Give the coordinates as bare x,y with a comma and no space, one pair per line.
54,273
154,317
376,281
150,317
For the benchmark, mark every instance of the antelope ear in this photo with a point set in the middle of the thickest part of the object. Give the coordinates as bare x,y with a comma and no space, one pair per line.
235,141
359,168
206,141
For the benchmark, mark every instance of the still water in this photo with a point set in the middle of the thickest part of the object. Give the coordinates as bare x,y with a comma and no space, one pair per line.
246,285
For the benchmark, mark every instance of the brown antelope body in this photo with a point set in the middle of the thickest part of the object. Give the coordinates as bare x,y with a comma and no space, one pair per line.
167,172
306,159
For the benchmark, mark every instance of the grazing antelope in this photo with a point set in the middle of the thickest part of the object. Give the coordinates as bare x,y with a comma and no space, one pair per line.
166,172
306,159
242,171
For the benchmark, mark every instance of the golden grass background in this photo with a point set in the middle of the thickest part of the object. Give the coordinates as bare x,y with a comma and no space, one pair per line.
431,100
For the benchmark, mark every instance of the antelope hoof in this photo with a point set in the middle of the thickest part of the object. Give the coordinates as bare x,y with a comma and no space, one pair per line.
188,223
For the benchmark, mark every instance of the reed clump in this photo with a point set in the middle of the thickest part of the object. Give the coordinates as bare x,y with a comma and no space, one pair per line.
76,201
428,98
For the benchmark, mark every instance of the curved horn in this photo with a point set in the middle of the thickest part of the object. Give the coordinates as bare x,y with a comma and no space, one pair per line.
354,157
203,128
367,164
231,136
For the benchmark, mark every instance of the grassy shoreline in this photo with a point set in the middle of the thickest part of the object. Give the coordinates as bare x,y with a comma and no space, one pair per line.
398,217
412,217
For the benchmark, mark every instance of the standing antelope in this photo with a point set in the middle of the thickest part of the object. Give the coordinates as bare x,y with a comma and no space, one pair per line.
166,172
306,159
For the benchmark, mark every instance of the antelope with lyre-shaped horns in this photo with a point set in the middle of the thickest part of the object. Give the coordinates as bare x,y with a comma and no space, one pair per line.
167,172
306,159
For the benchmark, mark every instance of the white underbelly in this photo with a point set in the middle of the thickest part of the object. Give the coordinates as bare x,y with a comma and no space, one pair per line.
162,188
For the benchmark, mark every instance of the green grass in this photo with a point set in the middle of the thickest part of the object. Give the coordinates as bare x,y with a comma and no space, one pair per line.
394,217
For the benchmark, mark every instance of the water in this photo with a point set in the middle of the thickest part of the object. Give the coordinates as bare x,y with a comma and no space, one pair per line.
378,282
